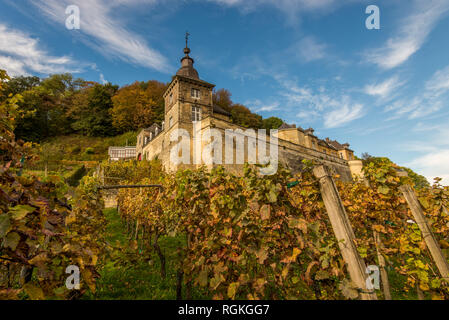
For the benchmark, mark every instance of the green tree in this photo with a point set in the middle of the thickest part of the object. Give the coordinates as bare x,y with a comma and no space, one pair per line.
272,123
95,118
20,84
45,107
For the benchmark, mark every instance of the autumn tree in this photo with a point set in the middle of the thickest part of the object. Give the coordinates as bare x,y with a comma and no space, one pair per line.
222,98
138,106
242,116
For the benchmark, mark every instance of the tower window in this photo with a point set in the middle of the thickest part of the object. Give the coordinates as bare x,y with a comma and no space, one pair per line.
196,113
170,122
170,99
196,93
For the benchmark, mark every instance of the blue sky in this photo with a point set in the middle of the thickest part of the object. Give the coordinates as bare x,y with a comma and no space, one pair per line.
309,62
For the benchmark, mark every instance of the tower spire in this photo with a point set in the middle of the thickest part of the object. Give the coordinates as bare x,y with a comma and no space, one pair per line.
187,49
187,69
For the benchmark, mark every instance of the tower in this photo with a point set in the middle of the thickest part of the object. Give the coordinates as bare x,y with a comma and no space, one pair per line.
188,99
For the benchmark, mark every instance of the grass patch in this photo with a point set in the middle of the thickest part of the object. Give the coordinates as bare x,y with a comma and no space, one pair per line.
141,281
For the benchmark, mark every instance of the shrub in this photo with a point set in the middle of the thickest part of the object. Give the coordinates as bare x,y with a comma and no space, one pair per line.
89,151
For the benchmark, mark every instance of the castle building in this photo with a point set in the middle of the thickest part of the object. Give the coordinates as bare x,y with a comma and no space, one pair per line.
189,107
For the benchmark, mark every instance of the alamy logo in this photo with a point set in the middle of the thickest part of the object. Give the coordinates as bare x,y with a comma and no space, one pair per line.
373,281
208,146
373,21
73,281
73,20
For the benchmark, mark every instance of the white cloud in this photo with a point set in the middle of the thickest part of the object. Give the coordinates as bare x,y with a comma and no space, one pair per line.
311,50
335,110
432,165
268,107
344,114
412,34
432,99
102,79
384,88
21,54
293,9
14,67
287,6
259,106
439,82
433,160
107,33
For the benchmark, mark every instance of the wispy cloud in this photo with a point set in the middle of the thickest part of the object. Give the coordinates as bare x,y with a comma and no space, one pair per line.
293,9
259,106
336,110
346,113
283,5
412,34
106,33
439,83
21,54
310,49
385,88
432,99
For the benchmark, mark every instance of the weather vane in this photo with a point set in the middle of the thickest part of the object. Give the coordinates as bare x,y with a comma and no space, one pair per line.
187,39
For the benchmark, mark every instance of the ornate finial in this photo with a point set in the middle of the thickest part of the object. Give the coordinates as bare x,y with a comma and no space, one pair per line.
187,50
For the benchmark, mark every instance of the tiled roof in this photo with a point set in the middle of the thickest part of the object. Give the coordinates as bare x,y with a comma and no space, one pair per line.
220,110
337,145
287,126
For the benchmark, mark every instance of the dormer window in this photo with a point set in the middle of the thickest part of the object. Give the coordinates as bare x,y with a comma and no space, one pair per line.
196,113
196,93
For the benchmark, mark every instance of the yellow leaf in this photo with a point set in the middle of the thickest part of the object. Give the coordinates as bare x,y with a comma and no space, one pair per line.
265,212
34,292
285,271
232,289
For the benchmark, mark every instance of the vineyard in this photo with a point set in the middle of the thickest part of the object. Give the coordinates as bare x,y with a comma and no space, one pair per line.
248,237
240,237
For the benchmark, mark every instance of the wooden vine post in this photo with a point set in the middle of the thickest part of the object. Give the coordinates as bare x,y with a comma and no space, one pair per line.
429,237
343,231
383,272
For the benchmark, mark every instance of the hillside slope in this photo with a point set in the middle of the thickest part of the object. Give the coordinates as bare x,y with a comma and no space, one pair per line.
82,148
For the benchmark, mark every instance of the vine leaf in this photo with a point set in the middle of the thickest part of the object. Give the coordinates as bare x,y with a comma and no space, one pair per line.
265,212
12,240
20,212
232,289
5,225
348,289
